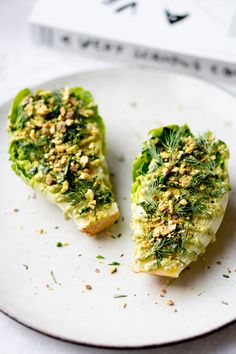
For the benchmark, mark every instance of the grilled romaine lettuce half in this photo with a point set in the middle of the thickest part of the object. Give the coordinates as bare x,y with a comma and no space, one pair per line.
57,146
179,196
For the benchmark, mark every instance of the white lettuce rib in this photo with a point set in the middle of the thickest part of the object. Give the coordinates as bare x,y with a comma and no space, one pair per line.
173,270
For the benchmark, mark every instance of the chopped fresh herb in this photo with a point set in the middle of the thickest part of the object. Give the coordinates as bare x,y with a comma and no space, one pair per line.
123,305
60,244
56,227
121,158
225,275
100,257
16,210
117,296
79,255
122,219
117,236
54,278
114,264
163,292
224,302
26,266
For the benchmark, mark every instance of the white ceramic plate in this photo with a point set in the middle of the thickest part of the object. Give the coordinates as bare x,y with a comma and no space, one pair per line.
44,287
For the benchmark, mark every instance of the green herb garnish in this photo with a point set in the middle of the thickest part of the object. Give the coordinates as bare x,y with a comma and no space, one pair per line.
224,302
117,296
117,236
225,275
54,278
114,264
100,257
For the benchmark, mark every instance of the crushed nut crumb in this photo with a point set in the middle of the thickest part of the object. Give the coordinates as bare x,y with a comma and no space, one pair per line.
112,270
40,231
170,303
163,292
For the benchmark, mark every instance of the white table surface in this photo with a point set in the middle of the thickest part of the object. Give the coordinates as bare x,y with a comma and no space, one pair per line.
22,64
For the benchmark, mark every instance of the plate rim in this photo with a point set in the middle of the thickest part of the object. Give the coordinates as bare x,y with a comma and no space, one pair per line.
121,347
5,105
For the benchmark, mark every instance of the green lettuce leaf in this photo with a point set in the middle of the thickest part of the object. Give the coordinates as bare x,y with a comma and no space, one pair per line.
14,111
87,97
168,135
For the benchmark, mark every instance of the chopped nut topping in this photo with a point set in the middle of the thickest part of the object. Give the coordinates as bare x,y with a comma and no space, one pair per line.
85,176
88,287
184,181
175,169
63,111
84,160
112,270
66,94
190,145
89,195
40,231
183,202
163,230
163,206
170,303
60,148
165,155
163,292
69,114
74,168
49,180
65,186
61,127
52,129
69,122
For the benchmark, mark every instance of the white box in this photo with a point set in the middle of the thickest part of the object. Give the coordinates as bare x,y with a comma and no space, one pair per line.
196,36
